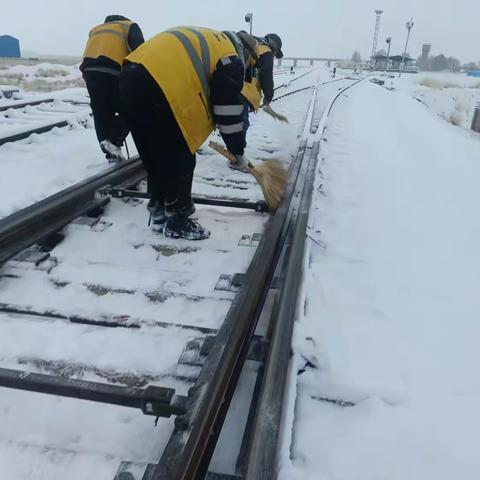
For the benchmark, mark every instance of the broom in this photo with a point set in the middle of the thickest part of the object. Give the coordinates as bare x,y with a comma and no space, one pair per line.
270,175
277,116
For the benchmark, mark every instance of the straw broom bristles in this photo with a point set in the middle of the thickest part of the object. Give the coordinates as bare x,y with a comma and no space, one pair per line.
277,116
272,178
270,175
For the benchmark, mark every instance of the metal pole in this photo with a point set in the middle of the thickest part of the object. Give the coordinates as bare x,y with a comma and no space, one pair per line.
249,20
389,41
378,13
409,26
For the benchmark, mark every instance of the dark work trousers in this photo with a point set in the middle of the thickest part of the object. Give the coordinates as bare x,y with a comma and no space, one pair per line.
246,120
105,102
159,140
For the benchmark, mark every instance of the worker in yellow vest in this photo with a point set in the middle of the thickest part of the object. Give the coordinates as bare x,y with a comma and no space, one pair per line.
259,74
108,45
175,89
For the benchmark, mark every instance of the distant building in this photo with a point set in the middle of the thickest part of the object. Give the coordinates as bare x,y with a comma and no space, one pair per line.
395,63
9,46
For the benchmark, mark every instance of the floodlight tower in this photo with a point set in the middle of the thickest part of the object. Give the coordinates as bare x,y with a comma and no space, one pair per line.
409,25
377,30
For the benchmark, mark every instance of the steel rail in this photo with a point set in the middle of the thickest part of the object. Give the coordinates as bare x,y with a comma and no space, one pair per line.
189,450
152,400
263,447
285,85
343,90
36,222
4,108
291,93
25,134
264,437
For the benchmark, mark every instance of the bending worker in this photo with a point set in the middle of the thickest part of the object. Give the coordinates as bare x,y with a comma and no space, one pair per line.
259,75
108,45
175,89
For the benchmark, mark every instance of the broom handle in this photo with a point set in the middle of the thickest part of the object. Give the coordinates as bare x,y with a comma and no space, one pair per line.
223,151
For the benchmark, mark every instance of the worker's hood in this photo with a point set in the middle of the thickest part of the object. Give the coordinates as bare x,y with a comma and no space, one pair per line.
116,18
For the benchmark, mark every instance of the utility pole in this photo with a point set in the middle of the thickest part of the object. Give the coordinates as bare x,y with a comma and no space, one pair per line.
375,35
249,20
409,26
389,41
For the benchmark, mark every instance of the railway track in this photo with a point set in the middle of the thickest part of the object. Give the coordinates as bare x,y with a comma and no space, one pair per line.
25,103
143,322
19,120
38,113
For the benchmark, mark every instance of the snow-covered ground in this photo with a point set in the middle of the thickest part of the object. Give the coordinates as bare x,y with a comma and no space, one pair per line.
46,163
388,343
128,276
388,339
59,158
42,77
453,96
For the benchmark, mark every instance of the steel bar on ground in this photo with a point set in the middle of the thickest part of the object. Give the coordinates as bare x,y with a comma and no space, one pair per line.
152,400
259,206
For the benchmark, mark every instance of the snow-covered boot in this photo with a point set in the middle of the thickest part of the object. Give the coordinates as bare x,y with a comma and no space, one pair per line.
112,152
184,227
157,216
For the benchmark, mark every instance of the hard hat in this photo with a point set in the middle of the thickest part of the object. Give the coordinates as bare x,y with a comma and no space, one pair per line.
276,43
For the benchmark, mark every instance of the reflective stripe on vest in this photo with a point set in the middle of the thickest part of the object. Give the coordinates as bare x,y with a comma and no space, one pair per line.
237,43
201,66
227,110
109,40
177,66
112,32
229,129
203,48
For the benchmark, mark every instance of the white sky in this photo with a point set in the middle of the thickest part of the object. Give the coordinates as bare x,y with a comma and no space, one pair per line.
307,27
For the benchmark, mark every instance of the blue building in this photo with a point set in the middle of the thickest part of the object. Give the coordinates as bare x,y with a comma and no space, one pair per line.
9,46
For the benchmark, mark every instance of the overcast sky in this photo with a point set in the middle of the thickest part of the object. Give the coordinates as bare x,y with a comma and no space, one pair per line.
307,27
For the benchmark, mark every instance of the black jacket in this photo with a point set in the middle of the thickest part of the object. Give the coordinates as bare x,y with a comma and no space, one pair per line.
264,68
265,75
228,103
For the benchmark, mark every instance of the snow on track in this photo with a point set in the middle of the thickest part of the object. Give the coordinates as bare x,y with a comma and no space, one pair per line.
389,340
120,272
18,120
64,156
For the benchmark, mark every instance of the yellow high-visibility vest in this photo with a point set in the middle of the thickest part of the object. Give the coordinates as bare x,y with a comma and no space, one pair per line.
252,91
182,61
109,40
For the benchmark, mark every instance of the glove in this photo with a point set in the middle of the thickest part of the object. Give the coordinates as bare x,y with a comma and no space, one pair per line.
241,164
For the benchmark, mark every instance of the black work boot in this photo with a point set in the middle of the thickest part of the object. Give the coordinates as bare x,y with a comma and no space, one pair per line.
184,227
